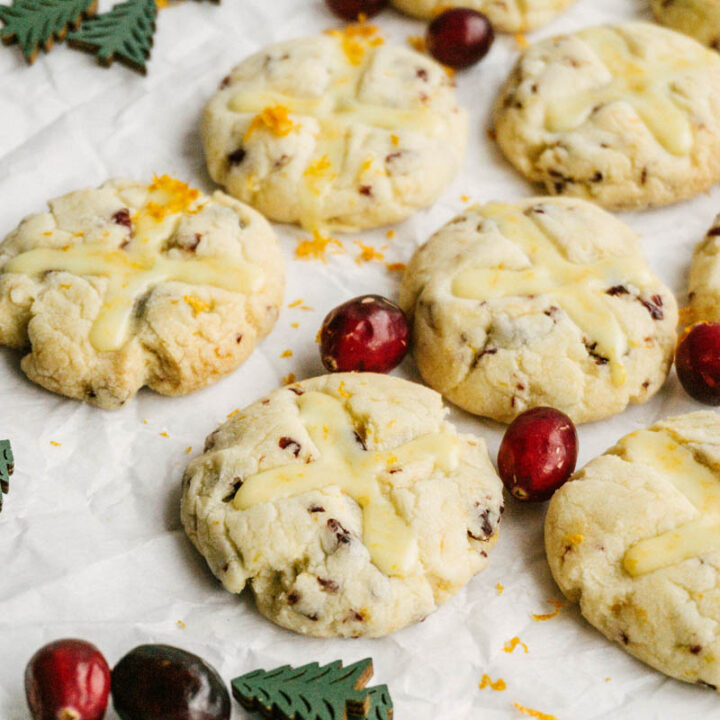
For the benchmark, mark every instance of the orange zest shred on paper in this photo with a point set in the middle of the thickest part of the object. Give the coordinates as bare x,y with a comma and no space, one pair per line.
295,325
233,413
181,624
486,681
396,267
510,645
390,234
557,604
188,449
534,713
296,303
356,39
276,119
316,247
368,254
289,379
55,444
465,198
500,587
164,434
286,354
169,197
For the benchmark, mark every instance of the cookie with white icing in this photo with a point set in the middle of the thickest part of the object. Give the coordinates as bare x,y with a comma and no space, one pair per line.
347,503
131,284
634,538
548,301
698,18
339,131
505,15
704,282
627,116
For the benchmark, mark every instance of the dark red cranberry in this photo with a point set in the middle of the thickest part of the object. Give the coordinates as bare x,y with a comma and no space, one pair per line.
538,453
697,361
67,680
368,333
161,682
459,37
353,9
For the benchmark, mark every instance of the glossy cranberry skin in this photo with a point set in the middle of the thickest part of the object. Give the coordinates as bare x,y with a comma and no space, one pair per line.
459,37
67,680
368,333
697,361
538,453
353,9
161,682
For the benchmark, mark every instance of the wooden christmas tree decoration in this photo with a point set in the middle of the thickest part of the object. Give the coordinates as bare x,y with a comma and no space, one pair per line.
7,465
312,692
33,24
125,33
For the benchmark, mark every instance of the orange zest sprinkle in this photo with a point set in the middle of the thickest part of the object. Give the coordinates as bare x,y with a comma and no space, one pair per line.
181,624
318,336
196,304
233,413
396,267
417,42
342,391
295,325
394,139
188,449
500,587
356,39
286,354
308,308
557,604
521,40
368,254
534,713
289,379
390,234
276,119
145,422
169,197
55,444
164,434
316,248
465,198
510,645
319,171
573,538
296,303
487,681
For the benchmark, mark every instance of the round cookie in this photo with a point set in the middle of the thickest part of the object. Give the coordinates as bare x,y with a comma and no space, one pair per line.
338,131
698,18
346,502
131,284
627,116
548,301
634,538
505,15
704,283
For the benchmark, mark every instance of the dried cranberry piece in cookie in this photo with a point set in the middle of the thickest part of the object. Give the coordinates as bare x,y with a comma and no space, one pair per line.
354,9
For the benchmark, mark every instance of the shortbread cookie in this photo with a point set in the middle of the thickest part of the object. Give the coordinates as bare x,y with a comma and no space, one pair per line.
132,284
704,282
347,502
338,131
547,301
627,116
634,538
505,15
699,18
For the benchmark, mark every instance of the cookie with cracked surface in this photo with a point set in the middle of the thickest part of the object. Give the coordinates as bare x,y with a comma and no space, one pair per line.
509,16
548,301
627,116
131,284
339,131
323,498
704,281
698,18
634,538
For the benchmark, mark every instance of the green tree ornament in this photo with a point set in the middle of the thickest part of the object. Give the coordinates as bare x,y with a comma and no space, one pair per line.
33,24
7,465
312,692
125,33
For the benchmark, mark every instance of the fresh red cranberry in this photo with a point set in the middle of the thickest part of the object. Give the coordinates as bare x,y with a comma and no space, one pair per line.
353,9
368,333
697,361
538,453
67,680
459,37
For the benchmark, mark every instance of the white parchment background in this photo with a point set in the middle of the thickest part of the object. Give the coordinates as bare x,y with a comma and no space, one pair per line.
90,539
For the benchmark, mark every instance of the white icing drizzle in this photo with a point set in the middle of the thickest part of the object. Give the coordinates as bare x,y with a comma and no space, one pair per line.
359,473
700,485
